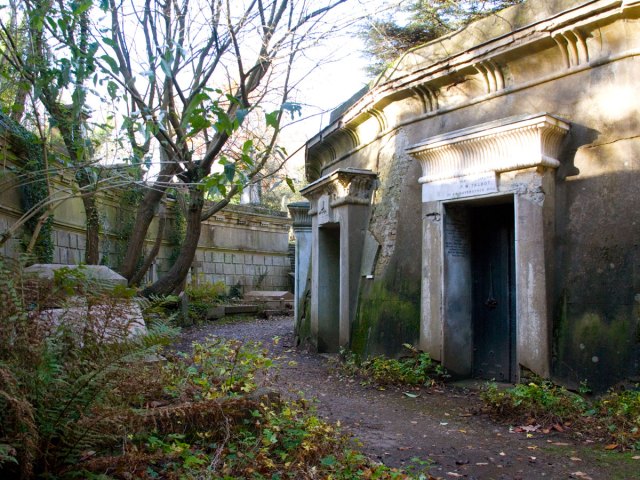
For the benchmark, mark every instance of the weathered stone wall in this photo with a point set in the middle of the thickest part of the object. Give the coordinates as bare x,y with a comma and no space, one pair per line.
578,61
242,246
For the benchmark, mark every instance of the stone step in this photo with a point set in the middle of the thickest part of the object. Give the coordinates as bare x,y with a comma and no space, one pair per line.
276,313
268,295
240,308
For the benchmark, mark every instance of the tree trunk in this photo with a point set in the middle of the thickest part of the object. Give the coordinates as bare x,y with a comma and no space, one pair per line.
144,216
137,277
92,252
19,101
173,280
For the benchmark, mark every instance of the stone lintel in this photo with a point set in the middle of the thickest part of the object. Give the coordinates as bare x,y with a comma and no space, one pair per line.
345,186
299,212
511,143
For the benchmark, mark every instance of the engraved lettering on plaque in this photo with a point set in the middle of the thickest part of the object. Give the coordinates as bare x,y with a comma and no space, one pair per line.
461,187
456,234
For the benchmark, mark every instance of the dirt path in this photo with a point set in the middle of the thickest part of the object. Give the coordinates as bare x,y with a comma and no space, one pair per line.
438,425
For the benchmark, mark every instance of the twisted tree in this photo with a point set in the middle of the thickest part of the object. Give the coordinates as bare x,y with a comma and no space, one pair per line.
198,78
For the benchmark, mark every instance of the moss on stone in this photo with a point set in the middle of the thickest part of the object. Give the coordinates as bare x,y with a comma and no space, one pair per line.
388,316
303,322
302,329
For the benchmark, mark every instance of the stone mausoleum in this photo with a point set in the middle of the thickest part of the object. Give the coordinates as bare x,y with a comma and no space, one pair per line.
482,201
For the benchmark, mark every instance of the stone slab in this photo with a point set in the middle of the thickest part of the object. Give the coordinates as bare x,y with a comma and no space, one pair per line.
276,313
238,309
266,295
110,322
214,313
95,273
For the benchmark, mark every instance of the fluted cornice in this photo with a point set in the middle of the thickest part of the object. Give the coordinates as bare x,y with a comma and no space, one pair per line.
508,144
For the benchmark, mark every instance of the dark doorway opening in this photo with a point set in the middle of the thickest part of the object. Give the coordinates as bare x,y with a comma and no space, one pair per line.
329,288
493,292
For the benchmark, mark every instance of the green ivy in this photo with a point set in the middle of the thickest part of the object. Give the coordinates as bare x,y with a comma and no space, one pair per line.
129,200
33,185
177,233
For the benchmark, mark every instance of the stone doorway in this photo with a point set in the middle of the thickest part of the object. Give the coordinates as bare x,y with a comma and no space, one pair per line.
328,288
493,298
479,329
340,203
509,162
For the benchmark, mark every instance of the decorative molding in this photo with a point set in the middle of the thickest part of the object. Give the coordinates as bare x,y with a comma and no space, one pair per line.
348,186
299,212
572,46
352,133
508,144
380,117
493,78
427,96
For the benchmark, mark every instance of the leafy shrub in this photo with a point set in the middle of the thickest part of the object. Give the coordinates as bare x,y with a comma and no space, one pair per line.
418,368
218,368
292,442
620,412
541,401
202,297
210,293
159,305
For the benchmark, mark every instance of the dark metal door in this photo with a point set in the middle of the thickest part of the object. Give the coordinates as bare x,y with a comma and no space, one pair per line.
493,310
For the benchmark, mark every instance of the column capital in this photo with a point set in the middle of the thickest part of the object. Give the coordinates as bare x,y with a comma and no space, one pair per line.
299,213
345,186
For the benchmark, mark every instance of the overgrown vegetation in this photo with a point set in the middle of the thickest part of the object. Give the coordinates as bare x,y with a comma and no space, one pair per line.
542,400
203,296
542,404
34,190
83,397
67,374
416,368
620,413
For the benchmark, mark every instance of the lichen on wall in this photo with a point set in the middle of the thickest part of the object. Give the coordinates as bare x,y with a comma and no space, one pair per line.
392,167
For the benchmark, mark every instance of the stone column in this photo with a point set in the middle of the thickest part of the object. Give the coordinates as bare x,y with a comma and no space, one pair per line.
299,213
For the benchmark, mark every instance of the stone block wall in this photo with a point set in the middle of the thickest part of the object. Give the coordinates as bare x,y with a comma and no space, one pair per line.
242,246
